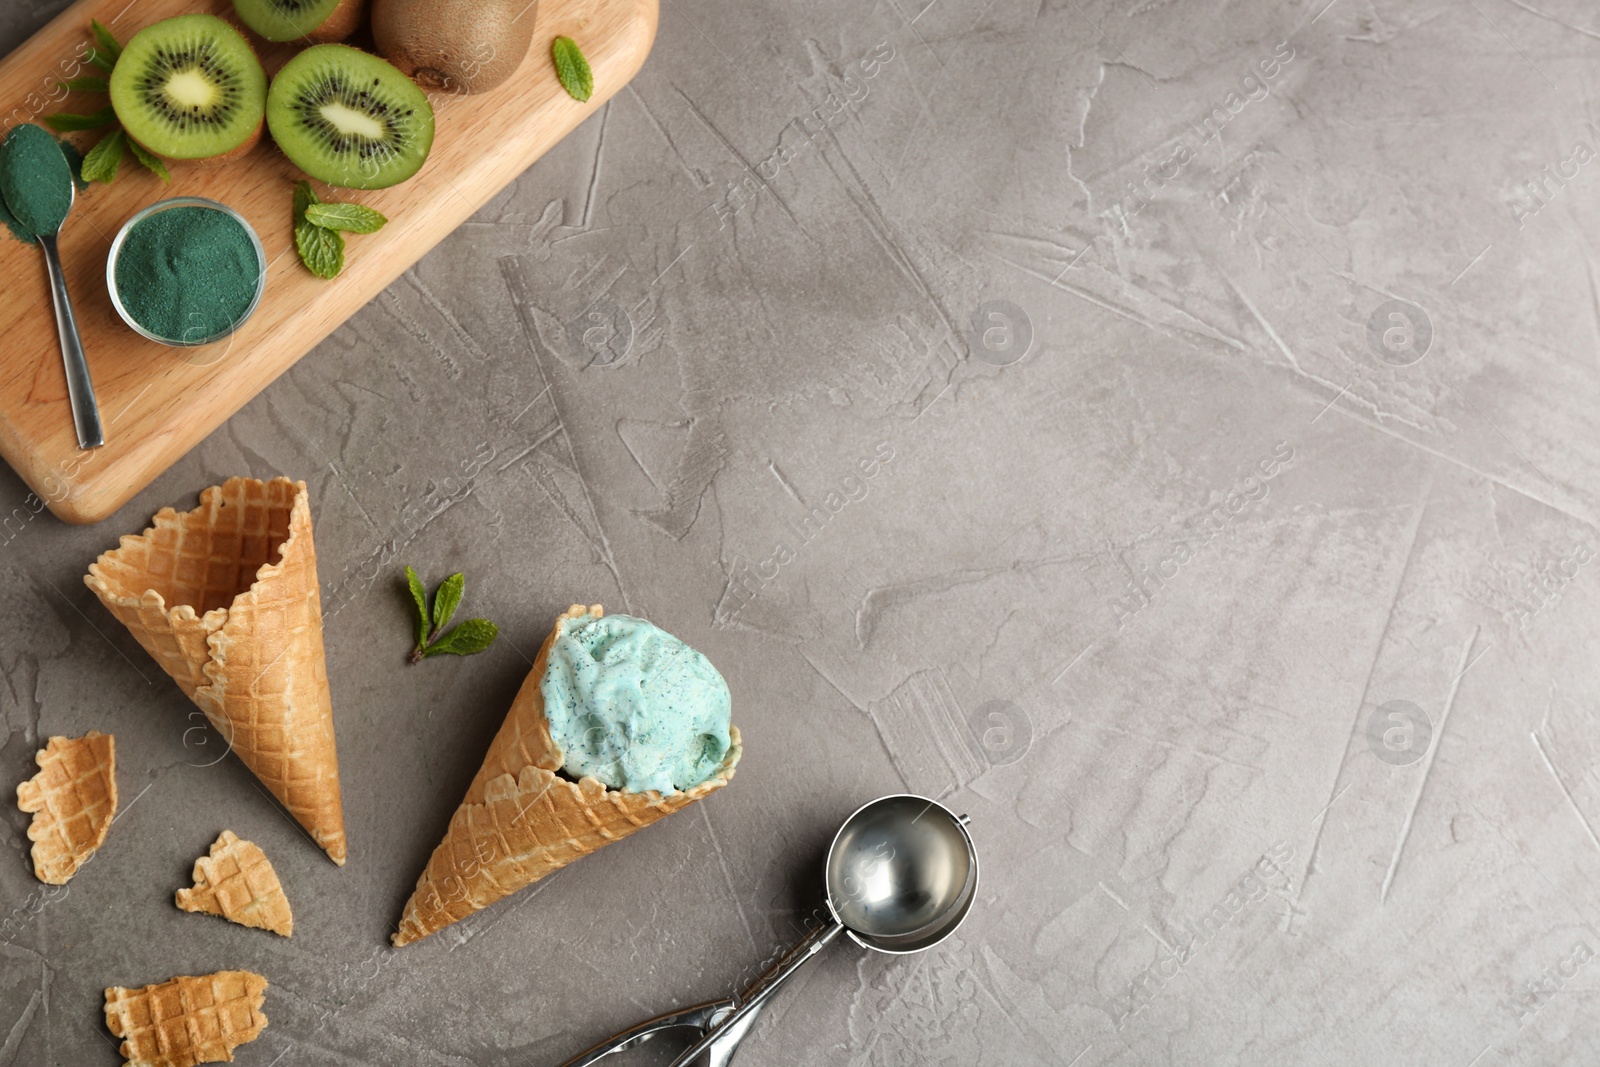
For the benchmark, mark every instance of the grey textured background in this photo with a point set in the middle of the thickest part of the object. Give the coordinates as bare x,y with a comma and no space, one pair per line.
1071,603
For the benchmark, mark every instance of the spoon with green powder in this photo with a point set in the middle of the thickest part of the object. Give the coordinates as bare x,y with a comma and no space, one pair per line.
36,183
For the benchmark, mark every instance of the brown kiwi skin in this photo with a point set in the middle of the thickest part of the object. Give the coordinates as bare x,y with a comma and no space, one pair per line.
344,20
458,46
213,161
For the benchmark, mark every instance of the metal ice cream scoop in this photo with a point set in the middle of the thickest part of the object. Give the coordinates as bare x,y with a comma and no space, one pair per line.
901,875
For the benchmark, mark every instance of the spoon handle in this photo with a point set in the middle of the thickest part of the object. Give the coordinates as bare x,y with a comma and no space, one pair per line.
756,997
80,391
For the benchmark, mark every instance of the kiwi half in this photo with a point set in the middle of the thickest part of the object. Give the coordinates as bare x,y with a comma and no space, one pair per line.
348,118
190,88
296,20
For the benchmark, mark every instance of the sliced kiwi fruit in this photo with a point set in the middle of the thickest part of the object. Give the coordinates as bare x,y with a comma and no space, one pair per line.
348,118
301,20
190,88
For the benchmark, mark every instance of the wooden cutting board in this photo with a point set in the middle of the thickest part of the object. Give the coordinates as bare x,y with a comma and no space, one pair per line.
158,402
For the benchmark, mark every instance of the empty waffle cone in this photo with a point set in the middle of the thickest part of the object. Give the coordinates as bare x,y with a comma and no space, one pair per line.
225,598
73,799
189,1020
521,819
237,882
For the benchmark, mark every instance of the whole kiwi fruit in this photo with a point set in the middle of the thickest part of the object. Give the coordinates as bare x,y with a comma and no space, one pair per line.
459,46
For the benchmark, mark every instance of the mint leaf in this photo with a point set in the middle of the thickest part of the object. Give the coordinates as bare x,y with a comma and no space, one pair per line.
75,161
87,85
304,197
322,251
100,163
105,44
419,595
150,160
474,635
572,69
354,218
446,600
99,59
66,122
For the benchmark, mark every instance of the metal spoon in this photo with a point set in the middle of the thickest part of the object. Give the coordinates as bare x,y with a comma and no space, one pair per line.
80,391
900,876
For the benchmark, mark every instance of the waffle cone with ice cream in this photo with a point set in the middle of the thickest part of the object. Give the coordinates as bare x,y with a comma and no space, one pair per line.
522,818
225,598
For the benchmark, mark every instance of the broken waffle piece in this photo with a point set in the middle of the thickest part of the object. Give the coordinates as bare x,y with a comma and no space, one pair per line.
73,799
237,882
188,1020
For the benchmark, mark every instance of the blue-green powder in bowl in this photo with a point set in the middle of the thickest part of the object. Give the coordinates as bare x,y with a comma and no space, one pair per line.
188,274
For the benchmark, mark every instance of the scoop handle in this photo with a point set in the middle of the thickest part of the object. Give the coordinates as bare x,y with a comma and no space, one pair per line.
755,998
80,391
698,1019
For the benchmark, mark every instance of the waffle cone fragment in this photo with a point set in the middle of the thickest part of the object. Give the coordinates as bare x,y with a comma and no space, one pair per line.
520,820
188,1020
73,799
237,882
225,598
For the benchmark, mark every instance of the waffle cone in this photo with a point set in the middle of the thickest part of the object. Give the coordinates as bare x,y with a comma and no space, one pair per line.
188,1020
73,799
225,598
521,820
237,882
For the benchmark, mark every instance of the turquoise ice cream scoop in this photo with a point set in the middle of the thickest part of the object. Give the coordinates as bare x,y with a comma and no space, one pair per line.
633,706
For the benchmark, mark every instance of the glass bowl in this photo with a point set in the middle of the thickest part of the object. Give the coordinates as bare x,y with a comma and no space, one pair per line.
168,205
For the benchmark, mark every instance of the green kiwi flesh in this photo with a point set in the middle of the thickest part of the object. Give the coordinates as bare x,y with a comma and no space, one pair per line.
189,88
348,118
284,20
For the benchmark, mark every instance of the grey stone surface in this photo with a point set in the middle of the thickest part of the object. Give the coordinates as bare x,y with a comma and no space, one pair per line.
1256,636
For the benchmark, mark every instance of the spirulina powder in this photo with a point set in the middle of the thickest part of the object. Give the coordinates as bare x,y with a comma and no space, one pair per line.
35,182
187,274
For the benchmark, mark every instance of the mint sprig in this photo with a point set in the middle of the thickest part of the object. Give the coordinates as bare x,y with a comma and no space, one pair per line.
101,162
433,639
317,229
572,70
